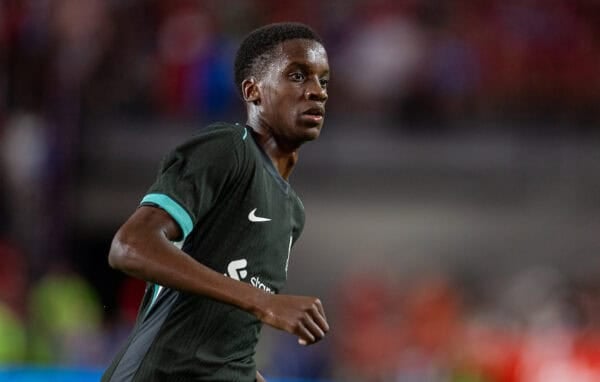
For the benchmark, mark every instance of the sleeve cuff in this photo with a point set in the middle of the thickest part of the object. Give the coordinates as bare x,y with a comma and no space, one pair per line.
177,212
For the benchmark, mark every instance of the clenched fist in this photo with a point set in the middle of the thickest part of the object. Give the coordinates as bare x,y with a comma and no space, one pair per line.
299,315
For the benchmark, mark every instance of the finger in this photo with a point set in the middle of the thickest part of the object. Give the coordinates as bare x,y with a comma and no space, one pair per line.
305,334
321,321
314,328
302,342
319,305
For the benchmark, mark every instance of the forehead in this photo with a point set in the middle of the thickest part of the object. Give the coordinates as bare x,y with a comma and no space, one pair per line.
302,51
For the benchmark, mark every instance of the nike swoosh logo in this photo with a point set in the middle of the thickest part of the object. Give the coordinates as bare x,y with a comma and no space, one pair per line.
253,218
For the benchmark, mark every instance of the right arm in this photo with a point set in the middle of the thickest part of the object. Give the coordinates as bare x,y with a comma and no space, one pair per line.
142,248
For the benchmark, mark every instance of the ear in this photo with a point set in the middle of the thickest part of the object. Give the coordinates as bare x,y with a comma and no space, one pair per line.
250,90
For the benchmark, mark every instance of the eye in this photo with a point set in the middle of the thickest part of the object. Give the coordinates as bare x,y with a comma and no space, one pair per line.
324,82
297,76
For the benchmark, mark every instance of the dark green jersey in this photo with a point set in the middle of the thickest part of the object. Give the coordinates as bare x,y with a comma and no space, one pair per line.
239,217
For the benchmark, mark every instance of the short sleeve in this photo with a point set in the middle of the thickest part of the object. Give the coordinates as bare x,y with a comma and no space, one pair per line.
194,175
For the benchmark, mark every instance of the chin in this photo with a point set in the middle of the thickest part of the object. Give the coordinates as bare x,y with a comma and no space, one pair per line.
304,131
312,133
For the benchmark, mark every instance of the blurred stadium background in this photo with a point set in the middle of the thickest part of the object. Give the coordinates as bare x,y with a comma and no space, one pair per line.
453,209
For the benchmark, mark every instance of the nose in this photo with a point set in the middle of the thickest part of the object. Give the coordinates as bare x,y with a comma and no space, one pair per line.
315,91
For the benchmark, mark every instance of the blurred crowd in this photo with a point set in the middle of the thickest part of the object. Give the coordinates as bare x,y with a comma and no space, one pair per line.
419,65
537,325
411,61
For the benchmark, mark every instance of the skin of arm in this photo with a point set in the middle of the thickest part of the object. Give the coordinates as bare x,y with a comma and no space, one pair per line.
142,248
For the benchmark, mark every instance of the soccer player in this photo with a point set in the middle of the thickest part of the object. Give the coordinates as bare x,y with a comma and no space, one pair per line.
224,195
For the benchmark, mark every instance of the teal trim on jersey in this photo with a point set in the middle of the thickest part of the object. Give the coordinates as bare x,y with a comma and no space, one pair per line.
154,294
155,291
174,209
245,134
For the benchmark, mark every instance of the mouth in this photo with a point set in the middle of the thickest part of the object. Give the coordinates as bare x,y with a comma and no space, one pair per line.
317,111
314,114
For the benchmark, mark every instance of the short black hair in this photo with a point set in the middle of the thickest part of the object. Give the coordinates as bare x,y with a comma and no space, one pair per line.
257,45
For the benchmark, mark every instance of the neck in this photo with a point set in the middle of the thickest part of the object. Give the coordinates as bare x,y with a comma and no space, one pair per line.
284,158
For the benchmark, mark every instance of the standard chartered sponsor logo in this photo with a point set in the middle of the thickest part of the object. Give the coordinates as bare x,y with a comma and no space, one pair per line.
237,271
255,281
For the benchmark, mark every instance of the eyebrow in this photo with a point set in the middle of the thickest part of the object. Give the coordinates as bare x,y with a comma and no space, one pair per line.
303,67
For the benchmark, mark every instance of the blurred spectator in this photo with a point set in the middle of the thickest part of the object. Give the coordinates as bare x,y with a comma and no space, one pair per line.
13,297
13,335
432,323
65,321
378,58
586,345
184,38
13,278
368,334
23,155
451,73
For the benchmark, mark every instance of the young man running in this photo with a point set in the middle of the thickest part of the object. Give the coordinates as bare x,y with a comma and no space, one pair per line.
224,194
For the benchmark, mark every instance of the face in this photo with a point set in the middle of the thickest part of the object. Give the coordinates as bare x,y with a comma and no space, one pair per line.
293,91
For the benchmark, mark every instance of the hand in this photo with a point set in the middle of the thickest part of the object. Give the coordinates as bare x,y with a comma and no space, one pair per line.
299,315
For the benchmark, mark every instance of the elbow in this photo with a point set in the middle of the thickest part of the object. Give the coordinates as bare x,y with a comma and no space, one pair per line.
123,254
